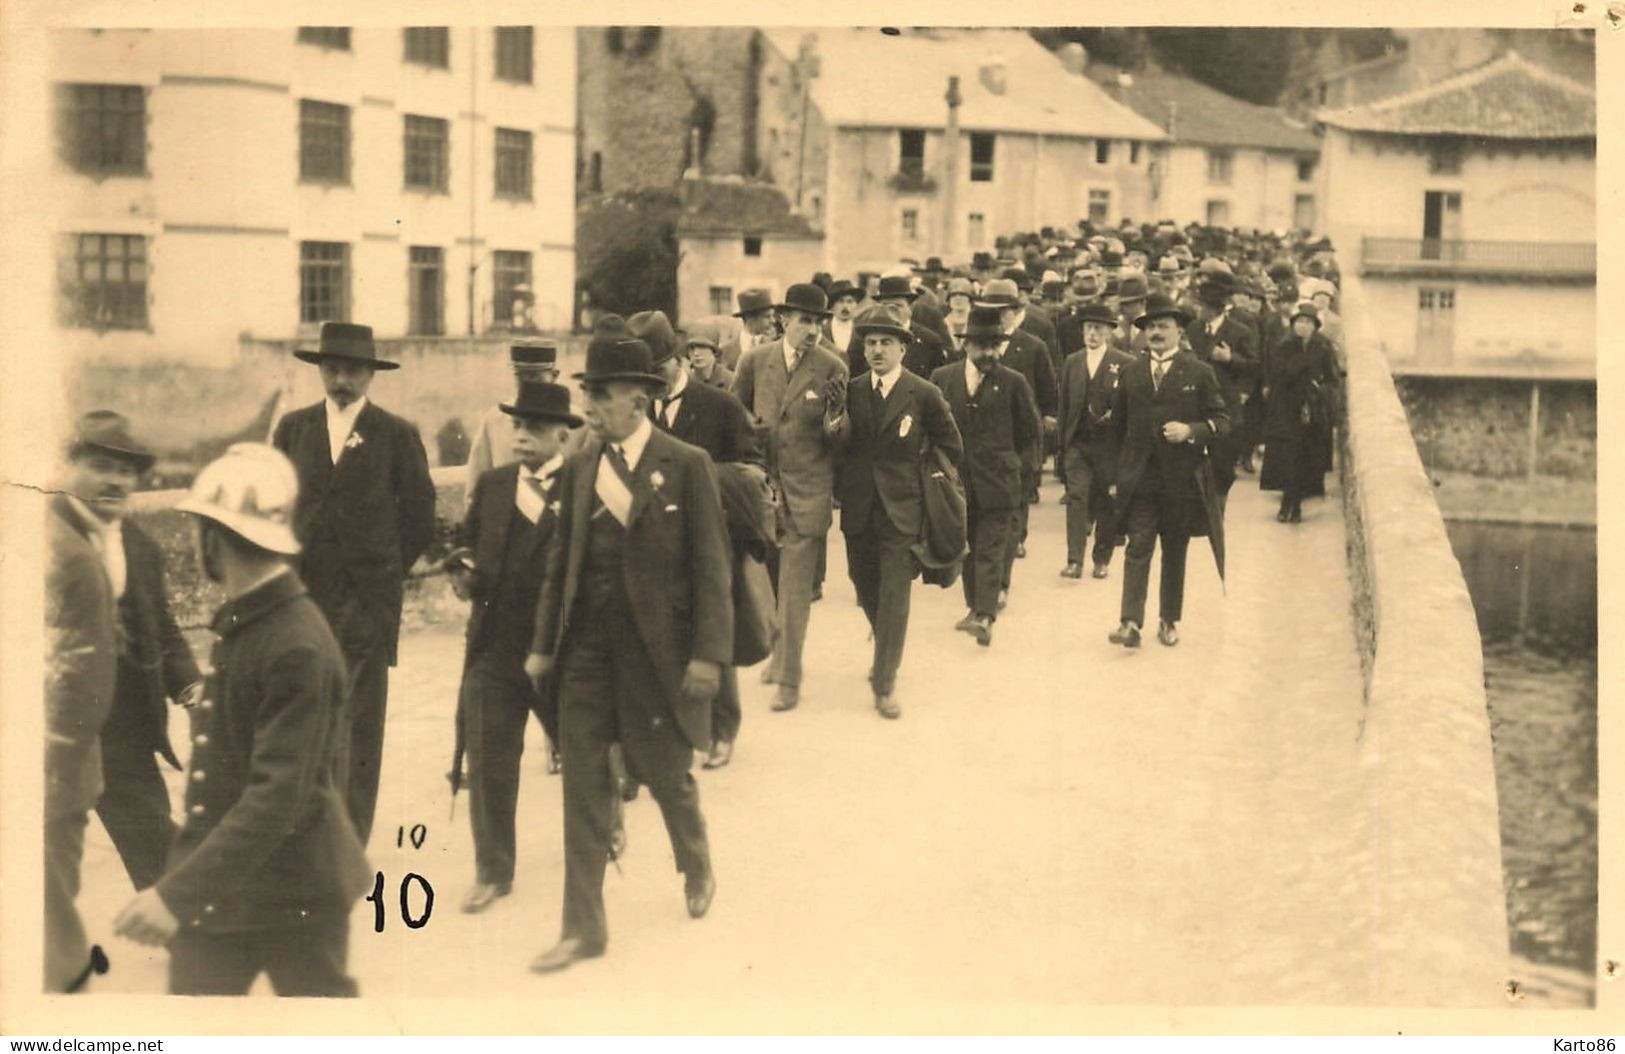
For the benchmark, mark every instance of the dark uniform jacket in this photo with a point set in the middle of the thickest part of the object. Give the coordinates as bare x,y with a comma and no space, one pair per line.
883,445
267,841
362,522
1085,415
997,425
676,563
1235,376
79,662
1189,393
162,662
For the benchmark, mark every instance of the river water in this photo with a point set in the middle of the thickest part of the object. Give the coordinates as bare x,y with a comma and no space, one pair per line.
1535,592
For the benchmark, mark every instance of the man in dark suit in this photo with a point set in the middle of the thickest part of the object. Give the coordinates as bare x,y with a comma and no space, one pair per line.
998,423
1032,319
637,616
717,423
887,421
1132,289
1168,408
757,326
925,350
154,663
264,873
1228,346
365,514
498,567
1089,383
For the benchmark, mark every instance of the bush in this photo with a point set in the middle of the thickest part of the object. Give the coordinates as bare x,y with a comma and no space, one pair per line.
626,251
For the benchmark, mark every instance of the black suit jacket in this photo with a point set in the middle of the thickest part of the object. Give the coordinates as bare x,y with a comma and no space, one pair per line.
1235,376
1028,356
488,530
882,447
1086,405
676,561
1039,325
162,662
363,522
997,426
79,662
715,421
1190,394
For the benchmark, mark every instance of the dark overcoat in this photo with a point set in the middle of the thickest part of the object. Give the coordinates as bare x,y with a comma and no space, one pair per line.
1190,394
997,427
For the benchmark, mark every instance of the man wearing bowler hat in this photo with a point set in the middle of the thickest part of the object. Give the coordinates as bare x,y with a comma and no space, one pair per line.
787,388
1089,383
1132,289
498,568
1168,408
493,440
365,514
636,616
885,426
756,326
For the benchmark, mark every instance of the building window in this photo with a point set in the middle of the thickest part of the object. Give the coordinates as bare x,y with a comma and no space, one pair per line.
722,299
510,276
1103,151
513,164
976,230
1100,206
1218,166
515,48
815,207
1134,151
1306,169
109,285
1303,212
428,46
426,291
324,282
753,245
911,225
337,37
104,128
428,149
324,142
981,157
1445,159
1218,213
911,152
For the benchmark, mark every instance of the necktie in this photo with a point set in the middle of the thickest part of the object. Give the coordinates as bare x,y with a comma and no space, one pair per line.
1159,369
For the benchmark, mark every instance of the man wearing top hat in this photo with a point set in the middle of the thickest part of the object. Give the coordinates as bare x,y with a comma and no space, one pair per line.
1089,383
636,617
493,442
756,326
786,387
1026,355
1227,345
884,427
997,418
1168,409
365,514
154,664
498,568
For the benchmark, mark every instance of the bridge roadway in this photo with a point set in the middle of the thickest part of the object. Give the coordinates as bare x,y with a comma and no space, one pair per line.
1055,823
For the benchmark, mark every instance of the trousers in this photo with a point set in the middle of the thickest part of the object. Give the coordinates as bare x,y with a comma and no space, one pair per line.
361,752
134,806
798,567
67,948
1089,508
987,532
304,960
1145,519
726,714
881,567
497,700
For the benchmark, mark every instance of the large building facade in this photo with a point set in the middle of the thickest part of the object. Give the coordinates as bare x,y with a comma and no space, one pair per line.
250,184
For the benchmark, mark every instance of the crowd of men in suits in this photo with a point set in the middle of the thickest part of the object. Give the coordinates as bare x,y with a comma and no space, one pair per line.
624,552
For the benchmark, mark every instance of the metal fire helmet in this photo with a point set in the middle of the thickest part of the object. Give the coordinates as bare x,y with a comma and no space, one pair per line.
251,490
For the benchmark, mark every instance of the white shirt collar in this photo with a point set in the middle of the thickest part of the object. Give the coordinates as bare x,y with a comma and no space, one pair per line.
340,423
632,446
678,388
888,381
1094,358
973,376
348,414
790,353
546,470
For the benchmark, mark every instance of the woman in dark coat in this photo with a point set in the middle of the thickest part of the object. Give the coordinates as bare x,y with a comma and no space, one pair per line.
1300,391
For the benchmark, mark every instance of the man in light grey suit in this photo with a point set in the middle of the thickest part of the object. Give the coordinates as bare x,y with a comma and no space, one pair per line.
786,385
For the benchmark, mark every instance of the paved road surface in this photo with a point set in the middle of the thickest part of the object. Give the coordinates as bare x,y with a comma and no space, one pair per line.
1054,824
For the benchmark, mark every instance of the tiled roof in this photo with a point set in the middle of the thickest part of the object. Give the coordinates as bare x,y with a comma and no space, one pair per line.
1209,117
868,79
1506,98
730,206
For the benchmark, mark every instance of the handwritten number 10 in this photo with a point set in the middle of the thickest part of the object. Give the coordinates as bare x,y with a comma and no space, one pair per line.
376,899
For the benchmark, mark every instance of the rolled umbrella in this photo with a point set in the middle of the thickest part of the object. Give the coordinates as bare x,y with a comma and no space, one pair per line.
1213,504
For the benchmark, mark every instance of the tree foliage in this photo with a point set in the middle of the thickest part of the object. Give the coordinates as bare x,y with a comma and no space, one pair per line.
626,255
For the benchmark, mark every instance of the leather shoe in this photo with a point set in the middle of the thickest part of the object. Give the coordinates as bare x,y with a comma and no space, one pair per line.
1295,514
967,624
483,895
1098,572
1073,570
817,594
1284,513
983,631
787,698
1128,635
563,954
699,892
1167,634
722,752
888,707
1021,550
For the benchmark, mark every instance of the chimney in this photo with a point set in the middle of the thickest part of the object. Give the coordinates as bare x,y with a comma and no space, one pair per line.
1074,58
950,170
994,74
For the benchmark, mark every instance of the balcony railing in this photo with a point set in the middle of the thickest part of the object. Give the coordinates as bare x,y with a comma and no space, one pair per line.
1453,257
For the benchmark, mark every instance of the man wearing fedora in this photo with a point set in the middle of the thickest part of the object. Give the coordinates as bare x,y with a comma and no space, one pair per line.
1028,356
493,442
1132,290
756,326
716,422
365,514
998,422
154,664
636,615
1168,409
1227,345
498,568
1089,383
886,427
926,350
789,387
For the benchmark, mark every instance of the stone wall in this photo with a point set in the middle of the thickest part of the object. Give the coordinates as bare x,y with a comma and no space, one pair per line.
1442,932
1481,426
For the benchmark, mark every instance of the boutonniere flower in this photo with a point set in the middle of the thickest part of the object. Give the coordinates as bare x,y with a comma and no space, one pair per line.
555,505
657,479
354,441
809,394
1114,368
904,425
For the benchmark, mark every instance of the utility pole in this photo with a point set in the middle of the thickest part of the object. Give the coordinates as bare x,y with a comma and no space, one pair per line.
950,170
